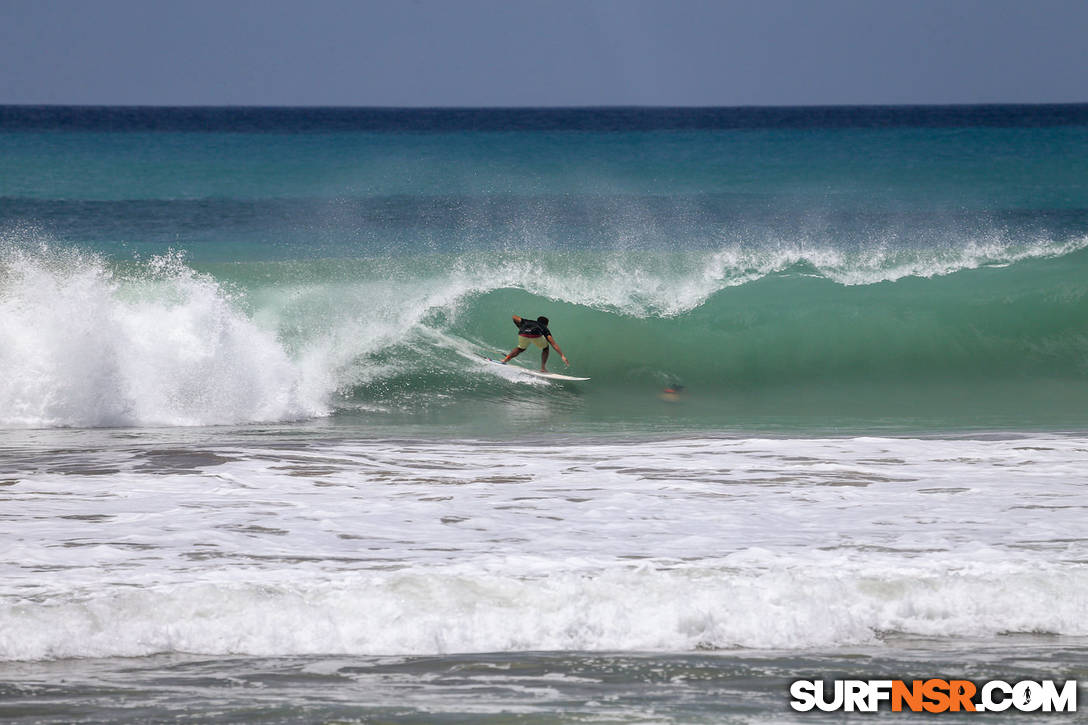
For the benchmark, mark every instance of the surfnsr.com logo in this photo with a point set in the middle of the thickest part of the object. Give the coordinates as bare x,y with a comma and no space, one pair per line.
934,695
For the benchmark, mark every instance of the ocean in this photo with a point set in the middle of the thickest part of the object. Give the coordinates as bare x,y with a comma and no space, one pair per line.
254,468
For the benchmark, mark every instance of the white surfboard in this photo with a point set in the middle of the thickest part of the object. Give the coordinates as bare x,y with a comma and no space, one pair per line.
527,371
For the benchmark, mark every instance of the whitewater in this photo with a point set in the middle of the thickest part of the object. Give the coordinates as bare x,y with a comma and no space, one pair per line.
253,467
397,548
159,342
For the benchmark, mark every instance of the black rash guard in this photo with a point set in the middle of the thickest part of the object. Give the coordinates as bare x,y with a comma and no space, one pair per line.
531,328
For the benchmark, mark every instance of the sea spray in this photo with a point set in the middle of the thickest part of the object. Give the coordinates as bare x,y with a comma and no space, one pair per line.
83,344
94,342
874,318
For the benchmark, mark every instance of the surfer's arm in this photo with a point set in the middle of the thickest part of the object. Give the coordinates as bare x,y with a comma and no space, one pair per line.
517,320
552,342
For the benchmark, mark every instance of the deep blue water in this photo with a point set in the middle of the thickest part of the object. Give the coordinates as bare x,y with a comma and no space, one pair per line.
803,268
252,467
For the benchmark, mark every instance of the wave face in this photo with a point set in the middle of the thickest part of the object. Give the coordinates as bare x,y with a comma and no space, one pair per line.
845,268
837,411
88,342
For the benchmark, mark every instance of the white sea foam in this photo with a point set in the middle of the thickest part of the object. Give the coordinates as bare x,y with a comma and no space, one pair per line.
87,343
785,603
422,548
82,346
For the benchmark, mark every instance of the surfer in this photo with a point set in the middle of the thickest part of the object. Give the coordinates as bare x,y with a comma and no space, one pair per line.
535,332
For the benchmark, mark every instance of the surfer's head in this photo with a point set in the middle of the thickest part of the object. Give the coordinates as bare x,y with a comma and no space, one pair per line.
542,320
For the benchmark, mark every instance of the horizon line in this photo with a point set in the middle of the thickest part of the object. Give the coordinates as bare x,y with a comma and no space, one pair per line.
631,107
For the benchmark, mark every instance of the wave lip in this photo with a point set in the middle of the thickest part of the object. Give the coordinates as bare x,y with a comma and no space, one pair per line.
88,344
644,284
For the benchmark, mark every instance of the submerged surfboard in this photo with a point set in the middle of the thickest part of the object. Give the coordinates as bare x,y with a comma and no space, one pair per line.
527,371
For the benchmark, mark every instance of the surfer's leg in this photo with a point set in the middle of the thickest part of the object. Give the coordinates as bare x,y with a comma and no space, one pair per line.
513,354
544,360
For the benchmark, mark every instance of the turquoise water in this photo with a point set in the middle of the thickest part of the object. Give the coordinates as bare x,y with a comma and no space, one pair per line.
254,469
909,273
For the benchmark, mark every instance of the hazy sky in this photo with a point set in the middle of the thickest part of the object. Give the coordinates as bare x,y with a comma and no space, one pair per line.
537,53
